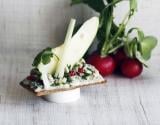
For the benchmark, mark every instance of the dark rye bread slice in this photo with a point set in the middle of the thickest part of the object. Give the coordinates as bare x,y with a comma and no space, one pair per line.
61,89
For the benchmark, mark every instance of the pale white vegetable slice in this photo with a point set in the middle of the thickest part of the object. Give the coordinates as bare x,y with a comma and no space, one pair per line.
67,42
79,44
51,66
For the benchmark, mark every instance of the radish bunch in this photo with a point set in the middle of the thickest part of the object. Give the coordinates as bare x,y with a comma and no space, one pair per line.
119,62
118,50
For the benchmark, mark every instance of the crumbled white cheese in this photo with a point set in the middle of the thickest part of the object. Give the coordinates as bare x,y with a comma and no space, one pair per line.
50,78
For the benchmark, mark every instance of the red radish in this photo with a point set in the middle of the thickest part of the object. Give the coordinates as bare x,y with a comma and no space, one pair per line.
120,56
72,73
131,68
106,65
31,78
80,70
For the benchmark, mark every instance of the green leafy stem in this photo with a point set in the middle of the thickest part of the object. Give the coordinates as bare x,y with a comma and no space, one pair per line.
109,33
112,37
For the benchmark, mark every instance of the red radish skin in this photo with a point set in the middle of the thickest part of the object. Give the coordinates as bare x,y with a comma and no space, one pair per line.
32,78
80,70
131,68
120,56
105,66
72,73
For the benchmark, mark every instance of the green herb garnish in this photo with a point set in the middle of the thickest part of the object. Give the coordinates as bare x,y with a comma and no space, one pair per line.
90,70
44,56
66,75
85,75
36,84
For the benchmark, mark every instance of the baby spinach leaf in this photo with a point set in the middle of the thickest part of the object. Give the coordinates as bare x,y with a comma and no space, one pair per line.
147,45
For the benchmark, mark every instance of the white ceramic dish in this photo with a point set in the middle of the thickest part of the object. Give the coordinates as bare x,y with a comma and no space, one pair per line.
63,97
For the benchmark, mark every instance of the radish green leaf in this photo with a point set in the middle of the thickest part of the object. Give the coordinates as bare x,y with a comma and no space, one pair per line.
147,45
140,58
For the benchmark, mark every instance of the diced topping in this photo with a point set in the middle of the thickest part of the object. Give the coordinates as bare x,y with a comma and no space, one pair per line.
31,78
50,78
72,73
79,72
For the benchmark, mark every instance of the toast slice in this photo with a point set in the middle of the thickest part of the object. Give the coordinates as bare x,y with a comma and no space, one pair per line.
94,80
60,89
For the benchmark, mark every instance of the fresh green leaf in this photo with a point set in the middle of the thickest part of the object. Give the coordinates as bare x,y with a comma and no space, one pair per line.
134,49
141,44
37,59
44,57
140,58
131,47
147,45
139,33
